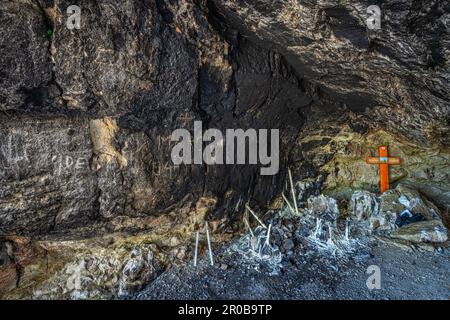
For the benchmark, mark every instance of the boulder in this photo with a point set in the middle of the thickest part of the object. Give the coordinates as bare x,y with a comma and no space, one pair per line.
393,209
412,200
402,206
363,204
425,231
323,207
137,272
384,219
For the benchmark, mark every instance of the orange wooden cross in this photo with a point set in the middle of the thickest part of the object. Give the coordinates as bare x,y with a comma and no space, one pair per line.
384,161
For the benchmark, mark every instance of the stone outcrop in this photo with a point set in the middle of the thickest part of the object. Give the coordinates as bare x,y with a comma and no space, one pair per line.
96,268
323,207
432,231
401,213
363,204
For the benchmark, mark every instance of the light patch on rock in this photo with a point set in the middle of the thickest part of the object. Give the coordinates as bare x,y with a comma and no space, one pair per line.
100,274
103,132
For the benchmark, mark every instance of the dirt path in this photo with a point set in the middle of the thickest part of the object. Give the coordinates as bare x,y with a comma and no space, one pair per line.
405,275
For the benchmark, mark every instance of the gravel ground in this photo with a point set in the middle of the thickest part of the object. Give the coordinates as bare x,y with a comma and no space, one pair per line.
406,273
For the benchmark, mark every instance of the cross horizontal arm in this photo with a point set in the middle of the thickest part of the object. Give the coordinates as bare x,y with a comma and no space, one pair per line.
391,161
394,161
373,160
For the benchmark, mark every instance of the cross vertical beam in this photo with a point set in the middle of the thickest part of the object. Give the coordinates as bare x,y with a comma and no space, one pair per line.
384,169
383,160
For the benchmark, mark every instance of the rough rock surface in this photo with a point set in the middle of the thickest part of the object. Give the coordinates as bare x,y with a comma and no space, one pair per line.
399,72
86,117
323,207
95,268
112,92
363,204
403,213
425,231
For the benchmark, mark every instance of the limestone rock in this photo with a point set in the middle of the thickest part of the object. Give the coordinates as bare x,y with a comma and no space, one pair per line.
432,231
363,204
86,118
414,202
87,114
323,207
393,203
395,208
307,188
17,258
137,272
332,45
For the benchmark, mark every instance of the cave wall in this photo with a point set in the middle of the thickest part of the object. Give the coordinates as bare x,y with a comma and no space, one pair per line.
398,75
369,87
86,115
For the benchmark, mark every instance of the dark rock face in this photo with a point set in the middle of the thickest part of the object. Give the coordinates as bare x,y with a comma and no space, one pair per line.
26,71
133,73
86,115
399,71
364,83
